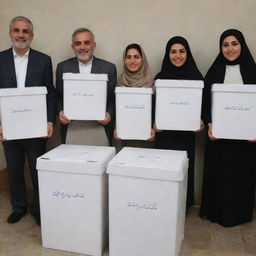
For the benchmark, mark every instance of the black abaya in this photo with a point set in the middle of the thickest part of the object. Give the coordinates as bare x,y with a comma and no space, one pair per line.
180,140
230,165
229,182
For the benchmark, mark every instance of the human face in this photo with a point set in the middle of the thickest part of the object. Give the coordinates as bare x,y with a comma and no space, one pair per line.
21,36
83,46
231,48
133,60
178,55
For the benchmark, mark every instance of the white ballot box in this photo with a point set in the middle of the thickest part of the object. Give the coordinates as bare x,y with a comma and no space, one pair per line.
85,96
23,112
73,198
178,104
147,202
133,113
234,111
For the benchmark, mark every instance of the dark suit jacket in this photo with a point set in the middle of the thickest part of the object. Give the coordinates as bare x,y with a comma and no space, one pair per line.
99,66
39,73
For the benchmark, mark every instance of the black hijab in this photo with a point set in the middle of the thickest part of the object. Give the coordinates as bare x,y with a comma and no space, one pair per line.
216,73
188,71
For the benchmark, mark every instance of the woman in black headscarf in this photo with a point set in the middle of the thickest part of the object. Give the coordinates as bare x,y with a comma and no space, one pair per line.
230,165
178,63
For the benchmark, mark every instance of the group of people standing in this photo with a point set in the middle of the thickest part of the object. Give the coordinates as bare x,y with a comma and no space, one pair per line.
230,165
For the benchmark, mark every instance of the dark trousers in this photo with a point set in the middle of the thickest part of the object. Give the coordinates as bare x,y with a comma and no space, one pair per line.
15,153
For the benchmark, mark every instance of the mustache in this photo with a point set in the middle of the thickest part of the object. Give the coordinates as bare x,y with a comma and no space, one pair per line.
83,51
20,38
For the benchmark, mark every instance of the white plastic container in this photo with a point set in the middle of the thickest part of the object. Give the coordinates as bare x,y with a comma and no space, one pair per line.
23,112
85,96
147,201
178,104
234,111
73,198
133,113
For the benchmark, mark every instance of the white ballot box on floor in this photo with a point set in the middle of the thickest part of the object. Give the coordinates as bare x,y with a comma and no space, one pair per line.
234,111
73,198
85,96
147,202
133,113
178,104
23,112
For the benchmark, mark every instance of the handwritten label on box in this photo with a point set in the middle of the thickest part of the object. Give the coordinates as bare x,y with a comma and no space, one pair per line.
58,194
141,206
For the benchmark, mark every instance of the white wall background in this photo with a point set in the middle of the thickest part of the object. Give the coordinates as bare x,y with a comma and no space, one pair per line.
117,23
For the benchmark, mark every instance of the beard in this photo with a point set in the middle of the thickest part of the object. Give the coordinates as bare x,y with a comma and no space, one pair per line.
82,57
21,42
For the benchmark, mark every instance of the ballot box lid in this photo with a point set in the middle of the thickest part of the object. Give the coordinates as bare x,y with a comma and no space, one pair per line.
33,90
133,90
243,88
79,159
150,164
173,83
85,77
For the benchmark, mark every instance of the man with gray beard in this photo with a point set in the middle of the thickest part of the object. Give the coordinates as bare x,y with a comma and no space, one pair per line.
21,66
83,45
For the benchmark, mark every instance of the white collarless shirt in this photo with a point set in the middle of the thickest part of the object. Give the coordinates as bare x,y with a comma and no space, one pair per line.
85,68
233,75
21,64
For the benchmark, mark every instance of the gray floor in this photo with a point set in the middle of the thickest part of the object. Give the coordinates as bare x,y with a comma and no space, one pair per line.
202,238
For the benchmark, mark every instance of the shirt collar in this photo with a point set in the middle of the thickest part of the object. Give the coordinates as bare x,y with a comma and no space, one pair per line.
82,64
16,55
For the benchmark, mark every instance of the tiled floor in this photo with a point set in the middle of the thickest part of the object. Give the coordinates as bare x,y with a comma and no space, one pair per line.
202,238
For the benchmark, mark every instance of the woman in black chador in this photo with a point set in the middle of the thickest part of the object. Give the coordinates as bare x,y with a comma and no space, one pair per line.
230,165
178,63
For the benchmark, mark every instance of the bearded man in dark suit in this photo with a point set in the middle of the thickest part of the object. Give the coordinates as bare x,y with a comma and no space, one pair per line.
83,45
21,66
